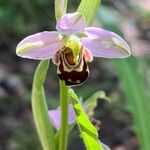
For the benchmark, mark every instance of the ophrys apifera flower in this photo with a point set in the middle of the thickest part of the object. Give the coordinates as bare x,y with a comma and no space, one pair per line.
72,46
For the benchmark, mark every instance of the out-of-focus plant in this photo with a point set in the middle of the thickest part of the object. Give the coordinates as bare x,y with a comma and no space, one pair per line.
137,100
71,47
22,17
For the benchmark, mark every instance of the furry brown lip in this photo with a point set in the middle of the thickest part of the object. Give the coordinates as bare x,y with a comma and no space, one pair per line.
72,73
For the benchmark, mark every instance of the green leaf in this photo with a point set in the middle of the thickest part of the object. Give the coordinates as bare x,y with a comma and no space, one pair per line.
89,106
60,8
88,131
39,108
91,102
137,100
88,9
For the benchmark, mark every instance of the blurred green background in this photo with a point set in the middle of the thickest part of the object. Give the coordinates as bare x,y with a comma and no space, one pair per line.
125,122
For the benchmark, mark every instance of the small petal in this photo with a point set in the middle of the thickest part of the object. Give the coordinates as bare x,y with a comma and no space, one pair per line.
103,43
71,23
40,46
87,55
55,116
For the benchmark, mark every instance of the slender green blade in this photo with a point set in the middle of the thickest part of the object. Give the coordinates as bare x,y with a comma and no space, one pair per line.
88,131
137,100
88,9
60,8
40,110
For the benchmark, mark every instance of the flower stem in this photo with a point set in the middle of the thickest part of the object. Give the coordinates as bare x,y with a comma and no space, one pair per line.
64,116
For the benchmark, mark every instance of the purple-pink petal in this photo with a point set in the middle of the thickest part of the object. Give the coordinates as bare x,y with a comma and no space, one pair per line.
71,23
55,116
103,43
40,46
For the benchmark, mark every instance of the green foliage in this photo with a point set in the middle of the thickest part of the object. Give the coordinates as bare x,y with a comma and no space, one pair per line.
60,8
137,100
39,108
88,9
23,17
91,102
88,131
109,17
24,138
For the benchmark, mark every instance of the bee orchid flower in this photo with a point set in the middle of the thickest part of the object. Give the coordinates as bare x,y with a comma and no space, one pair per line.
72,46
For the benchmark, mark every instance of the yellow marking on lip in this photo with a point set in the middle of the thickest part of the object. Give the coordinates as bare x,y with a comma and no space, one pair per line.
77,81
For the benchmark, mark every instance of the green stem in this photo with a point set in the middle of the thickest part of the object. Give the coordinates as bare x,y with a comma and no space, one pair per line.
63,138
